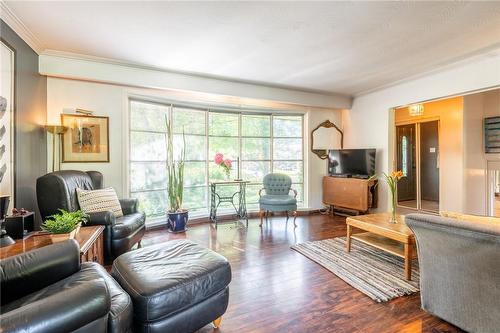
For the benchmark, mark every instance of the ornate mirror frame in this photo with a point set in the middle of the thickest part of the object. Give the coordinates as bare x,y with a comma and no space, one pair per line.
323,153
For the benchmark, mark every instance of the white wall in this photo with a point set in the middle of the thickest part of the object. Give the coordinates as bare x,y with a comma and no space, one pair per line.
111,100
476,108
369,122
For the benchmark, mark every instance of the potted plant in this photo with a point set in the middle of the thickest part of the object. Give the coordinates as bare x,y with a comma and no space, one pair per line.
64,225
177,216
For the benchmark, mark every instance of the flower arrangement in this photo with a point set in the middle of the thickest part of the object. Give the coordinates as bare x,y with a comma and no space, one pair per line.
392,182
225,164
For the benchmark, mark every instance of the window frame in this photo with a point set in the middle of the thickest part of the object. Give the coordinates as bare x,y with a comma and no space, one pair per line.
207,109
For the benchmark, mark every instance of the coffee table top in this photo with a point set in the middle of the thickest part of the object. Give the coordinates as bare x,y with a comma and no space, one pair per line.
380,224
85,237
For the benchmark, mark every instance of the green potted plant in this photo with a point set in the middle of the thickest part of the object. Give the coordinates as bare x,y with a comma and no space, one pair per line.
64,225
177,216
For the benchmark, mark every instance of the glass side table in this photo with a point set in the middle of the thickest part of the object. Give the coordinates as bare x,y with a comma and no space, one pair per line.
239,195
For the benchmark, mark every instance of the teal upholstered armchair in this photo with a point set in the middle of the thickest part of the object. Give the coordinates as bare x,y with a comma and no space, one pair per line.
275,196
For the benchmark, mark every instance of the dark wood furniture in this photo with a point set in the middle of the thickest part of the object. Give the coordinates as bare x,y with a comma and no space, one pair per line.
350,193
17,226
394,238
89,238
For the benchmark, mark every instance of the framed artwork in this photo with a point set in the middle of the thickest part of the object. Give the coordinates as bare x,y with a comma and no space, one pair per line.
7,109
86,140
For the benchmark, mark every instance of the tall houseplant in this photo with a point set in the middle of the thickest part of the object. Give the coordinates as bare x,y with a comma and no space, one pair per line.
177,216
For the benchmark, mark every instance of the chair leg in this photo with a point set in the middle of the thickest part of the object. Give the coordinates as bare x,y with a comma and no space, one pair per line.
139,244
217,322
261,215
286,216
267,214
294,217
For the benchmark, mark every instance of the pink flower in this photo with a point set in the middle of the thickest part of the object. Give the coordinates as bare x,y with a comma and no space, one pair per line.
219,158
228,163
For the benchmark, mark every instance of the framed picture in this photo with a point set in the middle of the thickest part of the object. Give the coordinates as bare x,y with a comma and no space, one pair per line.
7,110
86,140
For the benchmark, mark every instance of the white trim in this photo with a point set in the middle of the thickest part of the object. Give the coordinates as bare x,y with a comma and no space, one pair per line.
20,28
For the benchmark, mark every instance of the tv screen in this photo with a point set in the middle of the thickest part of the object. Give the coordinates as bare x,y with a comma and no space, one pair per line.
351,162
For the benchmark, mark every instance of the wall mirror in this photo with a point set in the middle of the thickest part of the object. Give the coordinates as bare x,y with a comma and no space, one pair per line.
324,137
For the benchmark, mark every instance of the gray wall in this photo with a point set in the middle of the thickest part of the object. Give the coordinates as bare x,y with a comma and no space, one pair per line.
30,116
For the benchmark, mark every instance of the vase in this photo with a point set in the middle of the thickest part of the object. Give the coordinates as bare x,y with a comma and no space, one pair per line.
62,237
177,221
394,204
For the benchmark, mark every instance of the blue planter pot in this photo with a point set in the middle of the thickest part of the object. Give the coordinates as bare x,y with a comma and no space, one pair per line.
177,222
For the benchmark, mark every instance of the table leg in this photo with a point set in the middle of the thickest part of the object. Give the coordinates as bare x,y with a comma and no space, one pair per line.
408,256
349,233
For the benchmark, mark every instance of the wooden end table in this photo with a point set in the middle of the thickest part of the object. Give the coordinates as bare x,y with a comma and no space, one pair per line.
394,238
89,238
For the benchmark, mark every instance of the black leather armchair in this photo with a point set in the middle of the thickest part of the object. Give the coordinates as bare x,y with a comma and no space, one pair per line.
48,290
58,190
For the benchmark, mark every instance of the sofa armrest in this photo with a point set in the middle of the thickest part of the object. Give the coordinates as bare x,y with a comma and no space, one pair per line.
27,272
129,206
62,312
101,218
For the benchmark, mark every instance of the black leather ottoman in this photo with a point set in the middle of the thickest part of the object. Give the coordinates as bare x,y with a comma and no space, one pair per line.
178,286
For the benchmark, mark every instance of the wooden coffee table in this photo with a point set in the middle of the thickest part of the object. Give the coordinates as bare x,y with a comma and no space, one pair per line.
90,240
395,238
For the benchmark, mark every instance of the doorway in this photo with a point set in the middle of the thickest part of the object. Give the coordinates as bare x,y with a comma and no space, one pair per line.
417,146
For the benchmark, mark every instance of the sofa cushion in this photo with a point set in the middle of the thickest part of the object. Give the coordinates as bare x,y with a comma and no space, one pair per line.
99,201
128,224
120,315
167,278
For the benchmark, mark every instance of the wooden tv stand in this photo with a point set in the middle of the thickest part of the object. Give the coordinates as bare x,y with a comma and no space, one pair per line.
350,193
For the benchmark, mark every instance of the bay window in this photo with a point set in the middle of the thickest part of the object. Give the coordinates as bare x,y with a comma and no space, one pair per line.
257,143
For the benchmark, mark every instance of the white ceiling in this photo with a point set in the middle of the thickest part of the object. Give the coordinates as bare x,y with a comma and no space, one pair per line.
342,47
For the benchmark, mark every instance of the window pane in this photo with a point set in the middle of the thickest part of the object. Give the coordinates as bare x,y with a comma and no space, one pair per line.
254,125
300,192
192,121
287,126
255,171
293,169
152,203
195,147
255,149
223,124
147,176
194,173
252,193
217,174
147,116
223,145
287,149
195,198
146,146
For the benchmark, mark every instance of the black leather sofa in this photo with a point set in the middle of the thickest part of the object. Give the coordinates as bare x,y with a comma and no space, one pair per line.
48,290
58,190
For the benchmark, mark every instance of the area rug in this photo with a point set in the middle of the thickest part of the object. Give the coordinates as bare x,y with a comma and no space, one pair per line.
377,274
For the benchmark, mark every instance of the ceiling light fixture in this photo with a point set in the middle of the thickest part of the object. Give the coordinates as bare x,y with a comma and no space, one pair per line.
416,110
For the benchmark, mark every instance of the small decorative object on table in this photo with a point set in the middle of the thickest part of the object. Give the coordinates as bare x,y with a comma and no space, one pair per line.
20,223
64,225
177,216
225,164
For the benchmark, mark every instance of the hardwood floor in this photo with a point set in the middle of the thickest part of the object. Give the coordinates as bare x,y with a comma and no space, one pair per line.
275,289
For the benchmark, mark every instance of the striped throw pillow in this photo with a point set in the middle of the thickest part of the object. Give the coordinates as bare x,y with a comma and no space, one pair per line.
99,201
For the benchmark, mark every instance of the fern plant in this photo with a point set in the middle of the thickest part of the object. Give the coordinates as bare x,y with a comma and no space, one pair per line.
175,170
64,222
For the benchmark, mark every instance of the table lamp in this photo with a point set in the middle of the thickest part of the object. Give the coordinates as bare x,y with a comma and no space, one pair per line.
5,240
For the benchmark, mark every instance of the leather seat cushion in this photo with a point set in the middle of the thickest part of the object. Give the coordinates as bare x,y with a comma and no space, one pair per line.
120,315
273,199
167,278
128,224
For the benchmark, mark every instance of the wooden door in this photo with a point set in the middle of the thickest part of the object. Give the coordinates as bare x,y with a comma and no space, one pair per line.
429,163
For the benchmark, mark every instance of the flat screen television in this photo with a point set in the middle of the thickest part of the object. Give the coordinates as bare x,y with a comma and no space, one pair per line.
359,163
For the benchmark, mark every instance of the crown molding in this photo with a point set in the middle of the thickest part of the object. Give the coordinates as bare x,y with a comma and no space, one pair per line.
20,28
